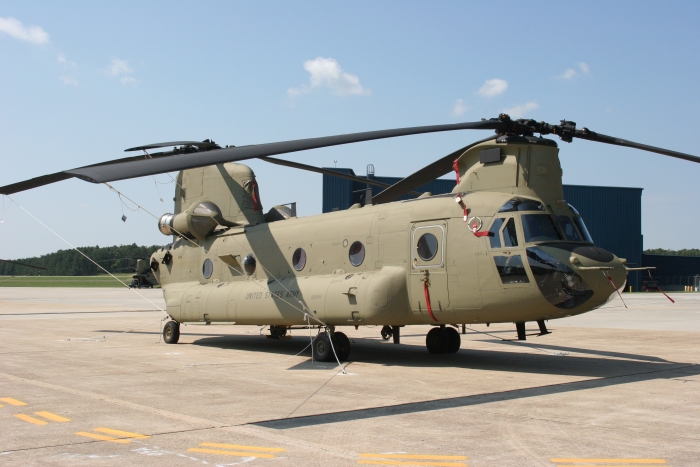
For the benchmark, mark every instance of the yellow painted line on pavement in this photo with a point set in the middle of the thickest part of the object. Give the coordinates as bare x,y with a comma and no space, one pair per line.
421,463
52,416
238,446
414,456
123,434
11,401
624,461
30,419
232,453
102,437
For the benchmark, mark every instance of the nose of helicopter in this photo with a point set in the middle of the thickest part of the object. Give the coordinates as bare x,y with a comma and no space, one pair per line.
569,275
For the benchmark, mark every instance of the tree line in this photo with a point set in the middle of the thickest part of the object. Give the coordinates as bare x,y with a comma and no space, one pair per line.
115,259
683,252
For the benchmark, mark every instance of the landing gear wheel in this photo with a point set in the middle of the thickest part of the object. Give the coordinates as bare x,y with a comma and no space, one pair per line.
437,340
278,332
171,332
455,341
387,332
342,346
322,348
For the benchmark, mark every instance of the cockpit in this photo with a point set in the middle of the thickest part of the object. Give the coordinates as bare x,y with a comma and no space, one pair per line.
529,243
539,225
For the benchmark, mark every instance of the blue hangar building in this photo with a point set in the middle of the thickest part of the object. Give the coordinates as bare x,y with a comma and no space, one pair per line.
613,216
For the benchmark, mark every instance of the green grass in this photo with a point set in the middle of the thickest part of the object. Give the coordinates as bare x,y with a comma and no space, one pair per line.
64,281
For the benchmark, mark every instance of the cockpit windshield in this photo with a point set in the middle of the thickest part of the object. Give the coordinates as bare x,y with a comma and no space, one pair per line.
581,226
569,229
539,228
521,204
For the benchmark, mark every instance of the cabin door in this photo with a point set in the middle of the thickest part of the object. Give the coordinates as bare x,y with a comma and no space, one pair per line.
427,256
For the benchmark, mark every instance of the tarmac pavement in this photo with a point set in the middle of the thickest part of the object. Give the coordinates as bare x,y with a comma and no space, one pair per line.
616,386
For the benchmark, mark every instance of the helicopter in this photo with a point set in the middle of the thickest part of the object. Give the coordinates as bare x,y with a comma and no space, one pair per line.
503,247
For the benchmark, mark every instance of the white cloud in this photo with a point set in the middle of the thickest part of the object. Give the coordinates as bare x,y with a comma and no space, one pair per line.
129,80
459,108
326,72
519,111
568,74
68,80
63,61
119,67
493,87
14,28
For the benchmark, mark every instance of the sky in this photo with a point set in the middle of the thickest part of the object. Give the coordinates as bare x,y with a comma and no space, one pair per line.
82,81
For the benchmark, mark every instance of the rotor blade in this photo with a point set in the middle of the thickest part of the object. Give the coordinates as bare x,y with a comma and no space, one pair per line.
60,176
600,138
22,264
203,144
331,172
34,183
425,175
125,170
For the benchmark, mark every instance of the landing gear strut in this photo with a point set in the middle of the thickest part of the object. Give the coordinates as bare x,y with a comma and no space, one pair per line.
278,332
171,332
443,340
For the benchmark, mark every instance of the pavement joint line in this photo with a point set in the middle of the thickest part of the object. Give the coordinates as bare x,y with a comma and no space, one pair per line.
242,447
419,463
232,453
414,456
608,461
248,428
392,410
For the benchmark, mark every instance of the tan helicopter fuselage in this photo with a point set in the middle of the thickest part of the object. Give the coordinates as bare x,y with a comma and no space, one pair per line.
461,275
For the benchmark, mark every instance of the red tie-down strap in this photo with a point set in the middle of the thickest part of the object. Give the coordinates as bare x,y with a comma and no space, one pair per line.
455,165
479,234
614,286
672,301
427,297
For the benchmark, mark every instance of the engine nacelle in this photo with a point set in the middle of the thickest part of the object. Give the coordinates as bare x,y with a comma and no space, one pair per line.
198,221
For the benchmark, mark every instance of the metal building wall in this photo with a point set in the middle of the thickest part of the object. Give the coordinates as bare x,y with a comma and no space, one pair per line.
613,215
673,272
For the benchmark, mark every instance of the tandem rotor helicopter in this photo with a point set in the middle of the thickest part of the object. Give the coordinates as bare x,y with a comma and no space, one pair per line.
504,246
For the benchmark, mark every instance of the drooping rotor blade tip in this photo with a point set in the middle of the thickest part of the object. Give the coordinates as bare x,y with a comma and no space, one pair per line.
202,144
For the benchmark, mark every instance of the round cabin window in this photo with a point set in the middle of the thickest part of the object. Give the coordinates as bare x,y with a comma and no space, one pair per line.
249,264
427,246
357,253
207,268
299,259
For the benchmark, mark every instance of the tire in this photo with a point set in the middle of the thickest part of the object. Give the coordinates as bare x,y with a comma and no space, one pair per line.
171,332
322,348
455,341
437,341
342,346
278,332
387,332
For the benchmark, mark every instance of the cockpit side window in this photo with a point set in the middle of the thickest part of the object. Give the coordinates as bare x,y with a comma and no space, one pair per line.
495,233
581,226
521,204
539,228
510,237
